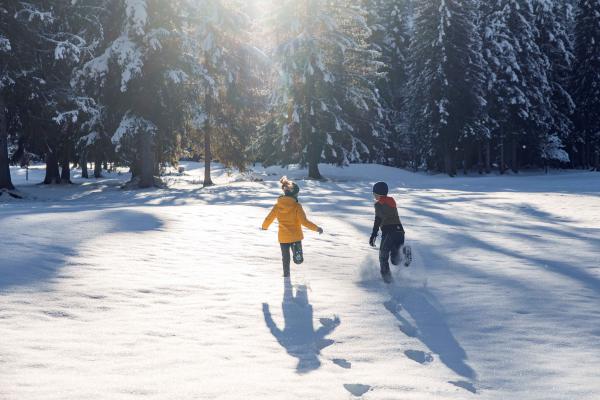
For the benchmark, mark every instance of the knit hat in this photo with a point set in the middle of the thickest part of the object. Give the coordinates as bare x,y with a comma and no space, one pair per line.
380,188
289,188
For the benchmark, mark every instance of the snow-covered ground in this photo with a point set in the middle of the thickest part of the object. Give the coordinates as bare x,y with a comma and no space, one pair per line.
177,294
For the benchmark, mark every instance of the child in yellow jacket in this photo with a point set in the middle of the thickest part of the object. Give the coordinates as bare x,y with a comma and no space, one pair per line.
291,217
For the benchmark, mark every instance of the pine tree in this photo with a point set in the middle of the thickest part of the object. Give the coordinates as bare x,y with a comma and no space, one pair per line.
519,98
21,79
6,25
475,137
587,80
555,43
442,95
226,75
69,41
391,37
326,85
141,76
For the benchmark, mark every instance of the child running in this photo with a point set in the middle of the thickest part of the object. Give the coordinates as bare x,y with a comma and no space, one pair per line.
392,232
291,217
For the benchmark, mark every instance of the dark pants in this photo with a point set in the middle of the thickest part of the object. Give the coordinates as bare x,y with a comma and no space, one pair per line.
296,249
390,249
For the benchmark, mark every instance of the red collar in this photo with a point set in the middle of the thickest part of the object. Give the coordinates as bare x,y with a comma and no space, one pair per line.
388,201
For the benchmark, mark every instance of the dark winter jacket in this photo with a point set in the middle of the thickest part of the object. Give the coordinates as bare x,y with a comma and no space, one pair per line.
386,216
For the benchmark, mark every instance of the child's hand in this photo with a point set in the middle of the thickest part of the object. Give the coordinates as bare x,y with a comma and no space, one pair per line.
320,230
372,241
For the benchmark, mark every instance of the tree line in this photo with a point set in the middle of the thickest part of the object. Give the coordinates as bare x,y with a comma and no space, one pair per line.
437,85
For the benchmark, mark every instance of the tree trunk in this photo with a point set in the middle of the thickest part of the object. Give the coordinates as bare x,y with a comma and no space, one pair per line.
97,168
502,157
52,172
449,166
447,162
65,174
514,155
309,131
313,151
488,157
207,157
313,170
5,180
147,167
597,160
313,156
84,166
207,145
479,159
587,154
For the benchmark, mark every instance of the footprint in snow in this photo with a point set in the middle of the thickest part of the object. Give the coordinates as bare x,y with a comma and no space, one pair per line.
408,330
357,389
342,363
419,356
329,322
58,314
468,386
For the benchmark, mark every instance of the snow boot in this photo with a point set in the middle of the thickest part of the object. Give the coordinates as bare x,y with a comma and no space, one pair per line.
386,274
298,256
407,255
387,278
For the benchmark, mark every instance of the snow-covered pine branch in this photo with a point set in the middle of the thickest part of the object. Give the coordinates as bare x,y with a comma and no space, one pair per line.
326,82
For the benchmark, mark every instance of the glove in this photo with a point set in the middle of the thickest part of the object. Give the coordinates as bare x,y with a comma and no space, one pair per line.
372,240
320,230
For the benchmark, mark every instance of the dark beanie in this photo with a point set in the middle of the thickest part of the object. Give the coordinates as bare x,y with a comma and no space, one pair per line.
380,188
294,192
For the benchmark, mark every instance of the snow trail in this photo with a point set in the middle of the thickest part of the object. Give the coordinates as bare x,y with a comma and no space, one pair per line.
176,293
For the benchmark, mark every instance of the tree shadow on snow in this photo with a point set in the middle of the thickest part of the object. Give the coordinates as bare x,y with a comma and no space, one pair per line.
298,336
532,236
106,194
41,246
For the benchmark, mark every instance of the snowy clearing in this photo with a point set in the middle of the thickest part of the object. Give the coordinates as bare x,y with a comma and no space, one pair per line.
177,294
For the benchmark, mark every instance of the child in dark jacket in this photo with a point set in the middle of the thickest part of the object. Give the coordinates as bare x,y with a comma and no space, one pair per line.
392,232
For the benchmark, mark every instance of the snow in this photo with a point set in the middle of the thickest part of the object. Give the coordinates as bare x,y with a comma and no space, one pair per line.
66,49
554,150
89,139
154,37
132,125
96,68
177,76
177,294
128,56
31,13
62,117
137,15
4,44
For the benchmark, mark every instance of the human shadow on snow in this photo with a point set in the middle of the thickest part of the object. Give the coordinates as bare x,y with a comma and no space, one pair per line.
426,322
421,317
41,248
298,336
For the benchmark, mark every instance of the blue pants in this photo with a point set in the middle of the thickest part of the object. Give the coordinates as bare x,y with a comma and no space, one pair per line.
390,249
296,248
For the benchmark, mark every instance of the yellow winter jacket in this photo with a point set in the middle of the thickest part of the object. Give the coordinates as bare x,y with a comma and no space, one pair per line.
291,217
